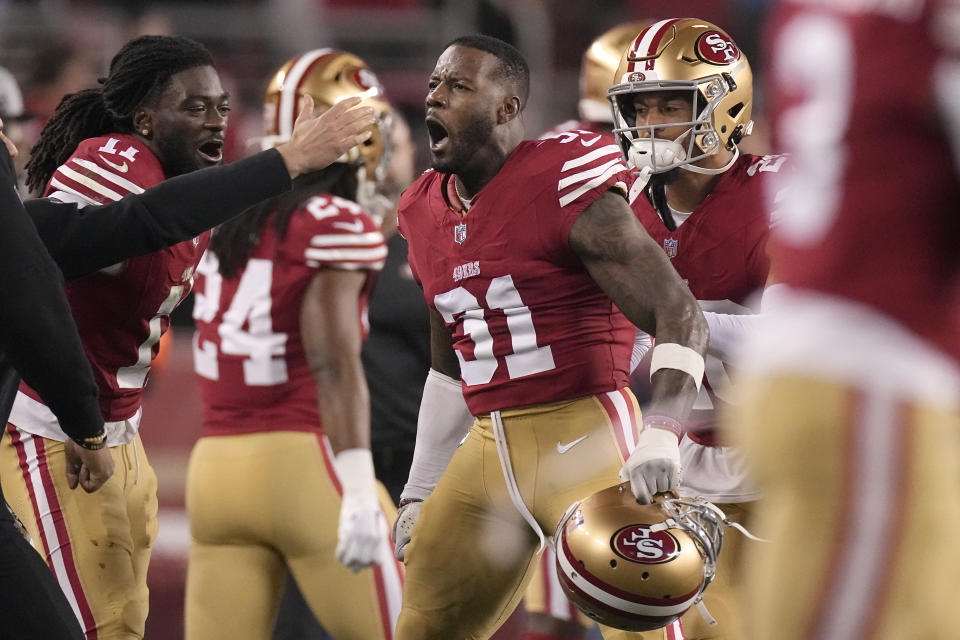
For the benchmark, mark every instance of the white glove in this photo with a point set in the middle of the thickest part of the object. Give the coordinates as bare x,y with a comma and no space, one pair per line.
654,466
362,525
403,526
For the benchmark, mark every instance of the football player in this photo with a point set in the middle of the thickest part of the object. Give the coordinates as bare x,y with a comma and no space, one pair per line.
160,112
281,314
535,269
682,99
550,614
46,348
849,407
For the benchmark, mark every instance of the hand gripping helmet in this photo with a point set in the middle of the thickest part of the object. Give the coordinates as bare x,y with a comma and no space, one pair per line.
598,68
637,567
329,76
683,54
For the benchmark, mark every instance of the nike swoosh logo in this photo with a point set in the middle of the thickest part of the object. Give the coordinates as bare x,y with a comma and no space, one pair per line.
563,448
122,168
590,143
356,226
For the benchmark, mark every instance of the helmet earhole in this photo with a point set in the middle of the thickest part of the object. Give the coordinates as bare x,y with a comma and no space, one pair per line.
613,564
645,575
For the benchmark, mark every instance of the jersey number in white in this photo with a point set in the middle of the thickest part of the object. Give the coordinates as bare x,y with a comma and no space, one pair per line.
264,364
527,358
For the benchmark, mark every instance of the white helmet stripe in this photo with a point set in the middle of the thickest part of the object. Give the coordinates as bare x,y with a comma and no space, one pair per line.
287,109
647,46
575,576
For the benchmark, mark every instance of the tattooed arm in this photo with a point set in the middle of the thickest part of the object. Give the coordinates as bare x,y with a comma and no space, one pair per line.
637,275
632,269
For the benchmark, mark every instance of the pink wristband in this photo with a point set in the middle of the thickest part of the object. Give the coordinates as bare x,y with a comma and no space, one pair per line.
663,422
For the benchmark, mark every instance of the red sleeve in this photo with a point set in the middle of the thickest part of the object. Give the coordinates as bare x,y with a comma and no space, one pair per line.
339,234
104,170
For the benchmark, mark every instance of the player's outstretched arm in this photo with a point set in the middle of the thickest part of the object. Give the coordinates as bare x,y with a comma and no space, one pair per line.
442,423
637,275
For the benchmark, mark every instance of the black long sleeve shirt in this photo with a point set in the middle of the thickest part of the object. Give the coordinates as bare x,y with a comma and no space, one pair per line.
39,239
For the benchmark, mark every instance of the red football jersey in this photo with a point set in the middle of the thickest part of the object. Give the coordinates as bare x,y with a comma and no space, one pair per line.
720,251
529,325
122,311
248,350
865,115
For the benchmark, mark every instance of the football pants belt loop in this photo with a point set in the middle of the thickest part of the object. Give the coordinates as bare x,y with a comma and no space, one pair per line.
500,438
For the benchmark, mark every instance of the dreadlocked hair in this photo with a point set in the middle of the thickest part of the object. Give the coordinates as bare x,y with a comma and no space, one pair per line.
139,74
233,241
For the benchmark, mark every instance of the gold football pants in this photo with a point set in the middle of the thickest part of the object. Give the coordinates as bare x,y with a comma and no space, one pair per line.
259,504
471,554
97,544
861,504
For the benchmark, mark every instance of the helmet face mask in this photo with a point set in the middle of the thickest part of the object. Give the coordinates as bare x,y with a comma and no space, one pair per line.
683,55
637,567
329,76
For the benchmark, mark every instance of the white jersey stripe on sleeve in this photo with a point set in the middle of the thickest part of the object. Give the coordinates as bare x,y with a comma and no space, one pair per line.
87,182
606,150
349,266
112,177
573,195
347,255
583,176
68,195
343,239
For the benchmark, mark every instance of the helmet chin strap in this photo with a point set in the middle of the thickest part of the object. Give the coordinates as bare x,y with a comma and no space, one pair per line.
697,169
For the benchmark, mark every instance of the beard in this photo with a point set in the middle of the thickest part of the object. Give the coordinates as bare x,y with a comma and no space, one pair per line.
476,135
176,156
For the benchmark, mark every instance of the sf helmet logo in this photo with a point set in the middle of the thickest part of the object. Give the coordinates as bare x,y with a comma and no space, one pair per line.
637,543
715,48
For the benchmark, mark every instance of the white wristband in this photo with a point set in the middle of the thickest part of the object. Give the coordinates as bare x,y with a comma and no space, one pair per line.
355,470
670,355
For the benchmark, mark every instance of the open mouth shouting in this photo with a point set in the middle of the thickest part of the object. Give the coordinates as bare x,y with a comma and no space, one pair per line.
439,137
211,151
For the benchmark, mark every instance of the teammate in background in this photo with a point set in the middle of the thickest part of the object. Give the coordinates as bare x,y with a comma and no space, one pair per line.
550,614
683,97
160,112
534,266
597,67
849,410
281,316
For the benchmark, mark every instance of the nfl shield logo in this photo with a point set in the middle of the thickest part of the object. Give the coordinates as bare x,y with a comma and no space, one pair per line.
460,233
670,246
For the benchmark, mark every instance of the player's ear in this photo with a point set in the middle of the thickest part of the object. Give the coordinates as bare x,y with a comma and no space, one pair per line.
509,109
143,122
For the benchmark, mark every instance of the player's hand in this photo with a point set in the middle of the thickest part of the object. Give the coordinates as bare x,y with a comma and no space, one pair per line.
317,141
403,527
87,468
654,466
361,532
363,527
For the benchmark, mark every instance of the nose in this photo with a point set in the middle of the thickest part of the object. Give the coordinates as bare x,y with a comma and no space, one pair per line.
216,121
436,97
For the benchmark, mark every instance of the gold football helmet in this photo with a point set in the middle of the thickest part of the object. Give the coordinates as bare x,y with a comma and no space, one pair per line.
683,54
637,567
329,76
598,69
